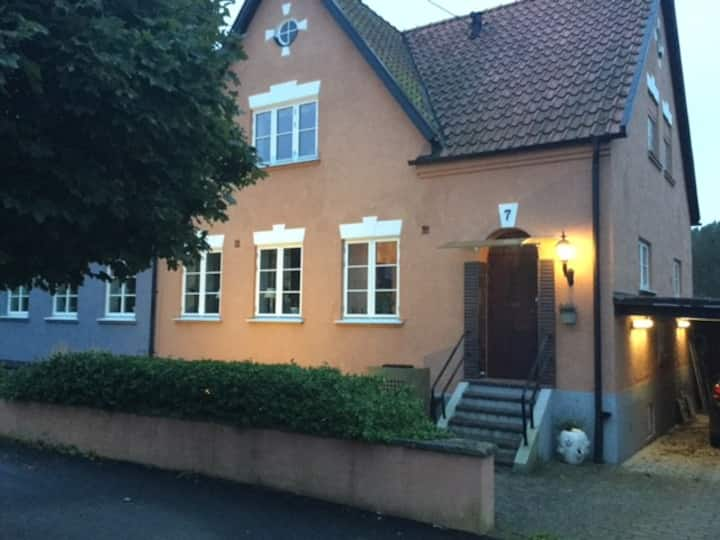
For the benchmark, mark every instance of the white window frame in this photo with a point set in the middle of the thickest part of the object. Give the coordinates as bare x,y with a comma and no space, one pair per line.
273,111
202,271
279,238
371,279
279,280
645,259
70,292
677,278
20,293
371,230
123,315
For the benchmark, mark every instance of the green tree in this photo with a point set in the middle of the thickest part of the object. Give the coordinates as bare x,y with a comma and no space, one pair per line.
706,260
118,134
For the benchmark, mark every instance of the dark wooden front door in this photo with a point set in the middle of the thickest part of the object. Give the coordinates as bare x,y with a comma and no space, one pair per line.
512,311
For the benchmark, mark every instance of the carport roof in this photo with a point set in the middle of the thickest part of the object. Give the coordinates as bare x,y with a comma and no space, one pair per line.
687,308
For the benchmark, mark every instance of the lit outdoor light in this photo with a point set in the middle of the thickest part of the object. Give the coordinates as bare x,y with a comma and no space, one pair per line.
645,323
683,324
566,252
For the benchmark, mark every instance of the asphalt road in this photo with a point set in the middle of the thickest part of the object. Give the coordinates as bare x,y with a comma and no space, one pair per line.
49,496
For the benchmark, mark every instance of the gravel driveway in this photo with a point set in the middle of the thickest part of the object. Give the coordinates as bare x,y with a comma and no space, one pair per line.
670,490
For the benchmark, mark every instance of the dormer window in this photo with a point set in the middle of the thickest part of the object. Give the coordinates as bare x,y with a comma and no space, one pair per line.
285,127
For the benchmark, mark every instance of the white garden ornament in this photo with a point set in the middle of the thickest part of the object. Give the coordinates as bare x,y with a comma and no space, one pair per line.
573,446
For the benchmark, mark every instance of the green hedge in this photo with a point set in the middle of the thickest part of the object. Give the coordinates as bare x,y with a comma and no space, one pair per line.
316,401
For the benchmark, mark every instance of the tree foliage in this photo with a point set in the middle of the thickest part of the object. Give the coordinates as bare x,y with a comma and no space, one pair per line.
118,134
706,260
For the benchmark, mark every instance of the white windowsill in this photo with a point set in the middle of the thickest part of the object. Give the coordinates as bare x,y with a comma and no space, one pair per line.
117,320
276,320
15,317
62,318
288,162
199,318
370,321
647,292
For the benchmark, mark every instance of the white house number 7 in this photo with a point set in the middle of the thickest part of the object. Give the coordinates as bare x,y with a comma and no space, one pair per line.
508,215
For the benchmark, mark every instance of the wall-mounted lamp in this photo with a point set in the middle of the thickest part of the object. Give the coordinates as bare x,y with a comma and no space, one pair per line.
566,252
644,323
683,324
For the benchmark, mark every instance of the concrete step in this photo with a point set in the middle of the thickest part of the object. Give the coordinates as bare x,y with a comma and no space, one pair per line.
505,457
484,391
491,406
502,439
481,417
492,424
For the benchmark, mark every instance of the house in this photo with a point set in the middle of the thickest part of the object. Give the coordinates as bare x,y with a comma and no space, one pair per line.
420,186
506,195
97,316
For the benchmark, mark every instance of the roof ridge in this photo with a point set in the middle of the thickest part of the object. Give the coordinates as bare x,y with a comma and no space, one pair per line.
508,4
383,19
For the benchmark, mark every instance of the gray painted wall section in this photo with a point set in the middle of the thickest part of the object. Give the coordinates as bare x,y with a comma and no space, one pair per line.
628,429
35,338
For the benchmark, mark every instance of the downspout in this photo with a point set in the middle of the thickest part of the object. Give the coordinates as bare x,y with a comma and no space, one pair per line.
153,308
597,308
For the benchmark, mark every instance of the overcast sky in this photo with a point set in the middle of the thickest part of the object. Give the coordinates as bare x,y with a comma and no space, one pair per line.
699,41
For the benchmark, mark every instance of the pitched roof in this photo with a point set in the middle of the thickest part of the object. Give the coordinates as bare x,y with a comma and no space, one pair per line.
540,73
389,45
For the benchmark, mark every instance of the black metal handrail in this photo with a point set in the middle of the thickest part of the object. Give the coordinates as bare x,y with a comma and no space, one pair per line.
533,383
435,399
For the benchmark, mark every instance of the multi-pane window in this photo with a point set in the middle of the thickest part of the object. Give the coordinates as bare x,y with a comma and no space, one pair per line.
65,302
652,135
644,253
677,278
667,150
287,134
18,301
121,297
279,281
201,291
371,278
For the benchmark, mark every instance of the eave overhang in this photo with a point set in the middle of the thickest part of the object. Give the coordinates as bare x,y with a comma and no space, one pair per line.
685,308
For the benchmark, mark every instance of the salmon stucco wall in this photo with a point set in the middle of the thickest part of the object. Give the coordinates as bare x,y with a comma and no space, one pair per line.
365,144
650,204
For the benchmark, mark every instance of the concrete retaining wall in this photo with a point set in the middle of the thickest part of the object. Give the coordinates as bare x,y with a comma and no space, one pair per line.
454,490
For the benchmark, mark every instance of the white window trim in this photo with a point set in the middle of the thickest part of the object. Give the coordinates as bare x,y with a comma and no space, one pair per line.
122,316
279,284
371,228
677,278
65,315
279,236
371,289
653,88
296,157
202,316
645,285
20,314
285,93
667,113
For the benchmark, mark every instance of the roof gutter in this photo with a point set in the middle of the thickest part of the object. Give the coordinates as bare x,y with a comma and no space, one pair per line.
153,307
436,160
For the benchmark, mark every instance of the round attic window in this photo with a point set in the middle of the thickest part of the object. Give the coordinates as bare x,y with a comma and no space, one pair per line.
287,33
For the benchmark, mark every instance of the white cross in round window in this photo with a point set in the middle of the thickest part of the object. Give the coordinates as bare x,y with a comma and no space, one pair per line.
287,33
